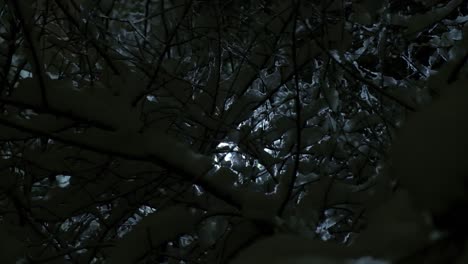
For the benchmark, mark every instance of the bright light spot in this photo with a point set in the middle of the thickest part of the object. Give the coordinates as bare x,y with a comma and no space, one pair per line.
151,98
229,102
53,76
186,240
260,166
228,157
6,154
25,74
277,143
63,180
322,229
225,144
300,197
335,55
146,210
198,190
269,151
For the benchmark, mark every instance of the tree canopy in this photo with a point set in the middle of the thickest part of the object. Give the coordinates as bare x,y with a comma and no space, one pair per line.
250,131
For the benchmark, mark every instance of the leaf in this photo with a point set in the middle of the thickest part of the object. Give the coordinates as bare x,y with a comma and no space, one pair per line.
331,95
421,22
361,120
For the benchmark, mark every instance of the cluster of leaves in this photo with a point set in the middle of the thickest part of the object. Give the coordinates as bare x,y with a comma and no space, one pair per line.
183,131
